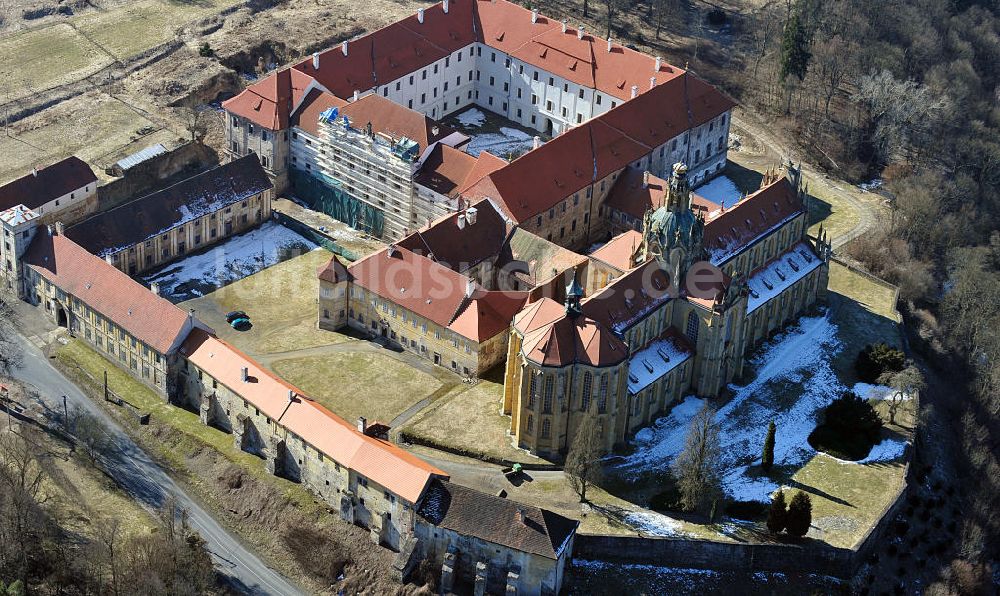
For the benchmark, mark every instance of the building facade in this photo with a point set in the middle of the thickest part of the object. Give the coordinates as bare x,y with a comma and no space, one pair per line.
193,214
622,107
705,289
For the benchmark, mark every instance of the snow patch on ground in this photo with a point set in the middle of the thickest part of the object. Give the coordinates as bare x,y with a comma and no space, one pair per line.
507,141
229,261
887,450
654,524
720,190
473,118
869,391
671,579
800,355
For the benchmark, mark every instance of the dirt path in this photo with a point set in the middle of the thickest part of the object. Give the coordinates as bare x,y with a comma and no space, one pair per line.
765,148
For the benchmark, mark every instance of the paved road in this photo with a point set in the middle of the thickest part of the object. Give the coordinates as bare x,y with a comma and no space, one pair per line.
147,482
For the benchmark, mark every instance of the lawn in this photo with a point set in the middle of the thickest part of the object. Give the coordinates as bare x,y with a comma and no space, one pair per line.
138,26
794,376
281,301
86,366
368,383
35,60
92,126
469,420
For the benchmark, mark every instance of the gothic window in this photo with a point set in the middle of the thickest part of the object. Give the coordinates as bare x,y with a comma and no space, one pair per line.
602,399
692,328
546,428
547,402
533,391
588,381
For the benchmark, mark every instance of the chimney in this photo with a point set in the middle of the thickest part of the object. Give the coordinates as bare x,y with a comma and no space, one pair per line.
635,91
609,45
51,230
357,95
645,179
34,172
291,396
362,424
659,62
536,142
315,60
579,32
435,130
461,221
420,15
652,82
470,288
564,25
110,260
520,515
534,17
444,6
470,215
155,288
190,315
60,228
245,374
343,47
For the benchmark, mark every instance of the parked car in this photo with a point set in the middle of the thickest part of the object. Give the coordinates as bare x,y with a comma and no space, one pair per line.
241,324
236,314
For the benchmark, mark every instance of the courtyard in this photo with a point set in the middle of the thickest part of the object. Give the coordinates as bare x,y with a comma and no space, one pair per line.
492,132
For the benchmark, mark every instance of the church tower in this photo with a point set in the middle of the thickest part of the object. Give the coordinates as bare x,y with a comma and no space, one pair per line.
673,233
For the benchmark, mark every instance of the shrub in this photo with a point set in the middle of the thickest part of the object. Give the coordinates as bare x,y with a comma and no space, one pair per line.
668,500
747,510
767,458
849,429
777,516
799,515
206,51
876,359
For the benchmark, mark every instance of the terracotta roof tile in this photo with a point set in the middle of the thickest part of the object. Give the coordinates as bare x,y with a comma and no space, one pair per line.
388,465
618,251
552,338
147,317
732,230
315,103
50,183
628,299
445,170
460,248
395,120
487,314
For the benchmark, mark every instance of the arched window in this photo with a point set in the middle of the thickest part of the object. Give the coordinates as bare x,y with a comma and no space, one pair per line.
547,398
602,398
692,328
533,391
588,382
546,428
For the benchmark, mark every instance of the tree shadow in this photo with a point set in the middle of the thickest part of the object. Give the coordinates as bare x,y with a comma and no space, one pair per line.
819,493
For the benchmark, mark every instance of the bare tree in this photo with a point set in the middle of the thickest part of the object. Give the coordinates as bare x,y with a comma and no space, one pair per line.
902,386
901,112
10,351
195,120
698,468
109,534
583,462
90,433
21,476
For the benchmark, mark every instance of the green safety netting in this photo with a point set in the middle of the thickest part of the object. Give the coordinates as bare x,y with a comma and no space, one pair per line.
324,194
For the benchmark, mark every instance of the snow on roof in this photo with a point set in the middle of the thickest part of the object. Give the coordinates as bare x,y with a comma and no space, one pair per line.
719,256
791,266
17,215
652,363
130,161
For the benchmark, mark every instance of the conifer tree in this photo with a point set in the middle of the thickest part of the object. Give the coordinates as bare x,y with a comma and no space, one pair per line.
778,513
767,458
799,514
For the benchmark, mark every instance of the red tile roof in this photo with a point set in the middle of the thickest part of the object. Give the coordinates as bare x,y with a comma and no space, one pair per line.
144,315
551,338
631,297
733,229
631,197
460,249
315,103
49,183
399,471
270,101
395,120
488,314
414,282
334,271
445,170
618,251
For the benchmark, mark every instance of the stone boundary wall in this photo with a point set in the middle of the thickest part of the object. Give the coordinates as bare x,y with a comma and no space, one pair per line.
876,280
155,174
